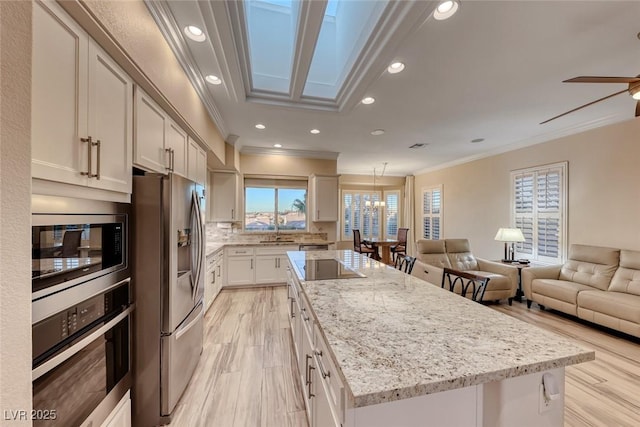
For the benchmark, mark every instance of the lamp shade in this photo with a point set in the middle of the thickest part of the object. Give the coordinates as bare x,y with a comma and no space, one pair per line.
509,235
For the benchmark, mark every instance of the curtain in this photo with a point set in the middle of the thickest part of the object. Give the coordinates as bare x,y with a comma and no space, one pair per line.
410,213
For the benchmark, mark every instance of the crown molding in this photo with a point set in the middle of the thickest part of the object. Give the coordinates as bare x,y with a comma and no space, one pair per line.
265,151
172,34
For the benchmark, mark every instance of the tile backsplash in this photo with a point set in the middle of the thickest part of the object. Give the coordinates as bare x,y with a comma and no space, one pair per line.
225,232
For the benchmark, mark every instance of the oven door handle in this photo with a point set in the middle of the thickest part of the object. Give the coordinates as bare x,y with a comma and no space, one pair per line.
68,353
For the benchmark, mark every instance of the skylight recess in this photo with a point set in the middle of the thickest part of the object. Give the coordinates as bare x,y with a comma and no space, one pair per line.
271,27
346,27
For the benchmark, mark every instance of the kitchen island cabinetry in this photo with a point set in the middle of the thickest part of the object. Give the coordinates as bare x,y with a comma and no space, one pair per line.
390,349
81,106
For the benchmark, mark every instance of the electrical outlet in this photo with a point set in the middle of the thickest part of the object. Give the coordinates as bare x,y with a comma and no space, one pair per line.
544,404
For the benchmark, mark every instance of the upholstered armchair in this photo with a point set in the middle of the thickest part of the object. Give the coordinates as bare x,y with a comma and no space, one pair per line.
433,256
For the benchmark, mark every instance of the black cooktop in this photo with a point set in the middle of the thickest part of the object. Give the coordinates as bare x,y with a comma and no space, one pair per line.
325,269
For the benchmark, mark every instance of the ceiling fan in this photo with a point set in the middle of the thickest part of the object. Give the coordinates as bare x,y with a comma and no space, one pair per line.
633,89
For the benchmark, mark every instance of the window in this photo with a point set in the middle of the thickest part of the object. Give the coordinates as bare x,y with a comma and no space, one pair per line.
538,209
391,205
274,205
432,213
362,210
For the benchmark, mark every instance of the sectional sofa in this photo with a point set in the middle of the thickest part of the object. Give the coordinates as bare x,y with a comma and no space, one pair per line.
434,255
597,284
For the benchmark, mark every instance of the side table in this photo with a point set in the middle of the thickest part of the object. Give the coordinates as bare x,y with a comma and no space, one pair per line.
519,292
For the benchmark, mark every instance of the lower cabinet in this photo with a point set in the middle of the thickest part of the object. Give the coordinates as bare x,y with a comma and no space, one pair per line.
253,265
322,389
121,415
213,278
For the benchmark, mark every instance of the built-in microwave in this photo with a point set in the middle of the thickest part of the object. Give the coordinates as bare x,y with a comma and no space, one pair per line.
77,242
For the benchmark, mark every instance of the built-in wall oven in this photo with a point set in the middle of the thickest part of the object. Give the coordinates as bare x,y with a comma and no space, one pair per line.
81,310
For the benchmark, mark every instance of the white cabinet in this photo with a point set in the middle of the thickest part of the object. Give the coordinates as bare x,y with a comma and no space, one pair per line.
251,265
197,165
224,197
81,106
121,415
271,264
323,197
323,390
213,279
239,267
266,269
176,147
150,134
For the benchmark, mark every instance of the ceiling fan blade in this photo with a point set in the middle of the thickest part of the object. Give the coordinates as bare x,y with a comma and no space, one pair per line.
597,79
585,105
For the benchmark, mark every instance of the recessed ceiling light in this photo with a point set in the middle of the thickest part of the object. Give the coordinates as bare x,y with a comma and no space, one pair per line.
277,145
395,67
194,33
314,131
377,132
477,140
260,126
446,9
368,100
214,80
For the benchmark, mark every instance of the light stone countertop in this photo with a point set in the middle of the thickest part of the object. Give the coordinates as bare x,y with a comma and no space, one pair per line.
214,246
394,336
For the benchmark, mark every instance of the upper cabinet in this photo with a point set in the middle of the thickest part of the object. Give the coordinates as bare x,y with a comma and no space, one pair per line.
197,167
176,148
152,124
81,106
224,197
323,196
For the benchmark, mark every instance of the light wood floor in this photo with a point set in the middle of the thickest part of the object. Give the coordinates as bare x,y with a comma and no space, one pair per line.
603,392
246,376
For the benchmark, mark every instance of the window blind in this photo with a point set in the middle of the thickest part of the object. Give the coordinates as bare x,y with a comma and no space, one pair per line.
432,213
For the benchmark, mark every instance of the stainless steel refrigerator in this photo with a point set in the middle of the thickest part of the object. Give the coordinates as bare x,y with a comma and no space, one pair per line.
168,279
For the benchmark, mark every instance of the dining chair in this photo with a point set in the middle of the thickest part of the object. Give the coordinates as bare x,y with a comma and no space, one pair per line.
454,280
401,247
360,247
70,243
405,263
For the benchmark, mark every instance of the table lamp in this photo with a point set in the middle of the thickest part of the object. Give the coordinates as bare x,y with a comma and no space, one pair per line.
509,235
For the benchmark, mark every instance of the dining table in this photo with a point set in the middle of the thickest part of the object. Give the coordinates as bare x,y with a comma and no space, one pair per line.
384,245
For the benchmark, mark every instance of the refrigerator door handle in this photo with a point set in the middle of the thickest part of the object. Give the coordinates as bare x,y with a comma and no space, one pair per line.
198,246
195,253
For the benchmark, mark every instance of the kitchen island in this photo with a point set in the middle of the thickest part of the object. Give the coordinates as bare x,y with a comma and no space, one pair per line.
389,349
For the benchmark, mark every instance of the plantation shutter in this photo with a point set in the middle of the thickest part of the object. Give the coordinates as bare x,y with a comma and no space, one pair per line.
391,203
538,204
432,213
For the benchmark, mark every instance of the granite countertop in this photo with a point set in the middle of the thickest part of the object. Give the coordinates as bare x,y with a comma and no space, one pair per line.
213,247
394,336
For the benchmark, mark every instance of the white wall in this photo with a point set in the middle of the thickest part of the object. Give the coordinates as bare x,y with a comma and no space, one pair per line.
15,208
603,189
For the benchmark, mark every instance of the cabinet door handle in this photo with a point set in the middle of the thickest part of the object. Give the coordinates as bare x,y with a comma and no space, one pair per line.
89,149
98,145
306,370
318,216
232,214
324,373
173,160
309,383
171,154
218,271
293,314
252,264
